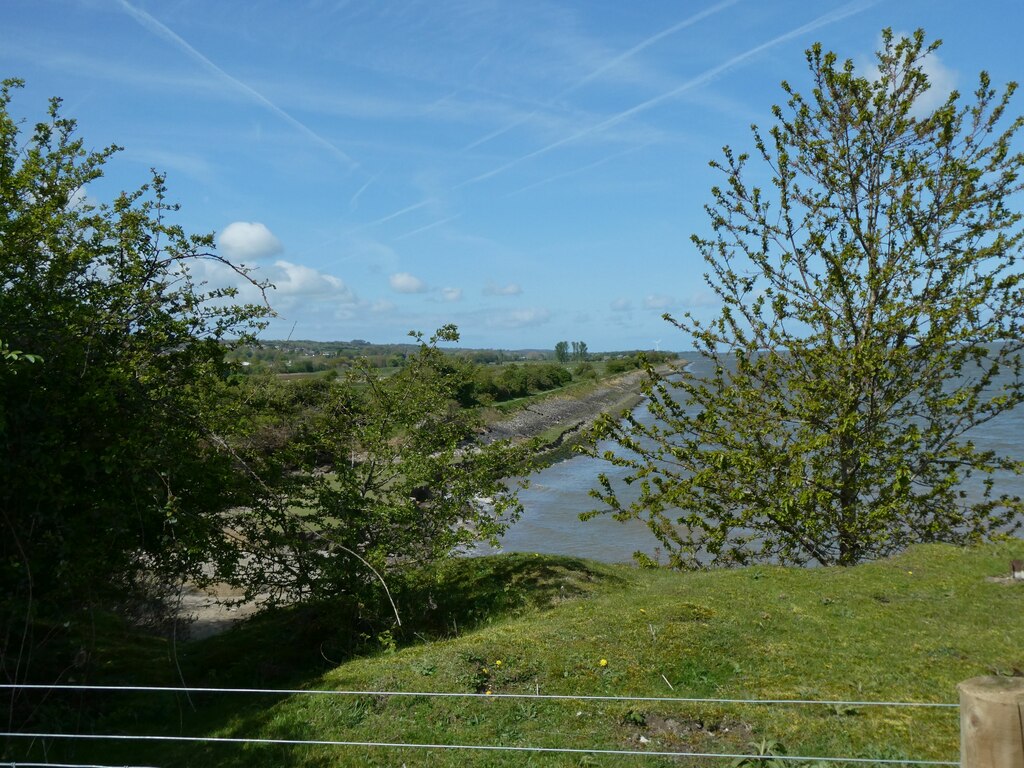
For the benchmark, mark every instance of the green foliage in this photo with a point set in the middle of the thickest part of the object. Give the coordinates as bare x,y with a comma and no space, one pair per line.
871,317
381,474
622,364
11,356
585,371
495,385
135,457
562,351
112,474
636,361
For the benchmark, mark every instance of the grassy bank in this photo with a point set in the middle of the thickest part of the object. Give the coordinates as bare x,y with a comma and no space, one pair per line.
905,629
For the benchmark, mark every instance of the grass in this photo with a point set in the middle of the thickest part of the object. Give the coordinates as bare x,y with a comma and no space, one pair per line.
904,629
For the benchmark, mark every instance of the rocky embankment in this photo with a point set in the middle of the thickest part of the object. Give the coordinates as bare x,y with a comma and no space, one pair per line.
571,413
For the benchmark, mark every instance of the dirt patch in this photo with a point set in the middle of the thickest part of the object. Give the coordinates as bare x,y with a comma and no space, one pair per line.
691,733
204,613
687,728
1008,580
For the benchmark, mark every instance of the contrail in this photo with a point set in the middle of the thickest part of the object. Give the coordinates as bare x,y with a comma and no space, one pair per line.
428,226
581,169
394,215
359,192
689,22
367,225
160,29
832,17
610,64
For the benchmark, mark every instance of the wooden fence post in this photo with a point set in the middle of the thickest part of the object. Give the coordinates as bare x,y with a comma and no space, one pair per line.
992,722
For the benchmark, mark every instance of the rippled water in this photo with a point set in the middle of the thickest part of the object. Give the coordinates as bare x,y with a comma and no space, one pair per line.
558,494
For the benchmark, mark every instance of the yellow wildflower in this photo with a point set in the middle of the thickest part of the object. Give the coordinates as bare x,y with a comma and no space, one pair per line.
603,662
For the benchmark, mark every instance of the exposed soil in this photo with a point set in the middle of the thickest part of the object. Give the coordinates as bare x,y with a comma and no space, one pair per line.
662,732
204,614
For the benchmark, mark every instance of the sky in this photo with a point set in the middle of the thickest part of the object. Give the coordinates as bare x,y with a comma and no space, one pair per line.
531,171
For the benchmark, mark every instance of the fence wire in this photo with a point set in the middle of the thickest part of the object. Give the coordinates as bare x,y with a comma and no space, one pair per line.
474,747
463,747
470,695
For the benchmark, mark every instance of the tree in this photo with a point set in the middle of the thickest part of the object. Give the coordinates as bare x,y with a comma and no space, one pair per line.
579,351
135,458
112,474
562,351
392,475
871,317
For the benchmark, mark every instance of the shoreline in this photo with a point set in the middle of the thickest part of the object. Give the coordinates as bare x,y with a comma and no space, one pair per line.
570,415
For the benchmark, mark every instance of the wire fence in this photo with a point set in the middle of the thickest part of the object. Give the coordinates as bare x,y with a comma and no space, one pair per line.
593,751
471,695
478,747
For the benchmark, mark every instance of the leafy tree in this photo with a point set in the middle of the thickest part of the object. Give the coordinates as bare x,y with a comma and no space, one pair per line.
562,351
392,475
111,474
871,317
134,459
579,351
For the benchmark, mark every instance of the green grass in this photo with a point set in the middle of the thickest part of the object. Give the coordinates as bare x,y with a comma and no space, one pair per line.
905,629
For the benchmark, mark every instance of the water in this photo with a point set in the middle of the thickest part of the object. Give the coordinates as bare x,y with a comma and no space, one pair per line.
558,494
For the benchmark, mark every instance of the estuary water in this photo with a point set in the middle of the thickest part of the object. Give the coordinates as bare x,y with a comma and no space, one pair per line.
559,493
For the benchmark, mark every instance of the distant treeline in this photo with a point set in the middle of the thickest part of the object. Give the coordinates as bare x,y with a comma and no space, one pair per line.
318,356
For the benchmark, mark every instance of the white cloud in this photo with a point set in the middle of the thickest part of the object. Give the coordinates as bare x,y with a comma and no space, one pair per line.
519,318
657,301
297,280
382,305
942,80
403,282
622,305
451,294
512,289
248,240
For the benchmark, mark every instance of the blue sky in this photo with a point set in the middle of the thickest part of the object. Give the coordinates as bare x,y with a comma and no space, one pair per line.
531,171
